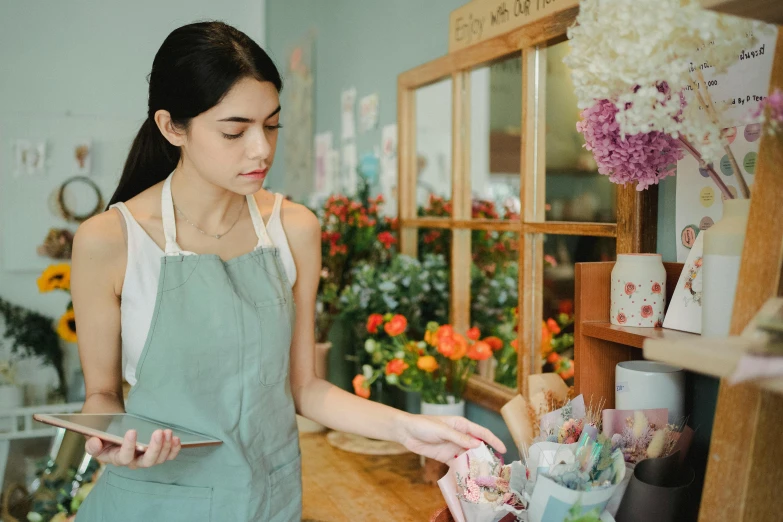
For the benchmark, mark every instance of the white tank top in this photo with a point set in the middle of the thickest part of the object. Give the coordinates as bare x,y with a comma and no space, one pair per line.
140,286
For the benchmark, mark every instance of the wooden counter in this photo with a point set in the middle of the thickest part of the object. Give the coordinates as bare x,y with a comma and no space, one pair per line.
340,486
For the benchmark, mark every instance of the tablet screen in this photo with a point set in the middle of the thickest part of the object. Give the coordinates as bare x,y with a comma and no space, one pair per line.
118,424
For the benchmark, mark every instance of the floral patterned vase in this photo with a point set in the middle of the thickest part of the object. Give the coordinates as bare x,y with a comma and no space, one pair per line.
638,290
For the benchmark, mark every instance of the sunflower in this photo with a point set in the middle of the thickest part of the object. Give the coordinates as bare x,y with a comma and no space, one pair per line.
66,328
55,277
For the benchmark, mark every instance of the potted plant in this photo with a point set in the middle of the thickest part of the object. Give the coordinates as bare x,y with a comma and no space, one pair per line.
417,290
31,335
437,366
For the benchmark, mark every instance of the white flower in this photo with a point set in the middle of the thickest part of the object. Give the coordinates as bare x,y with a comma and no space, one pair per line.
392,379
369,345
367,371
622,50
399,355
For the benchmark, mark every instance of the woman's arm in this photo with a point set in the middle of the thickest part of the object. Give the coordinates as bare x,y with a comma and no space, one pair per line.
437,437
97,270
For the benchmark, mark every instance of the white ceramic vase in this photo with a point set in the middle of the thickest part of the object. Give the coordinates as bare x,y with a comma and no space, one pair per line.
723,243
643,385
452,409
11,397
638,290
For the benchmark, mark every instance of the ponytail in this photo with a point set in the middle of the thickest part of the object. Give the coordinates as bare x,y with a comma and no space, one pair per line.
150,161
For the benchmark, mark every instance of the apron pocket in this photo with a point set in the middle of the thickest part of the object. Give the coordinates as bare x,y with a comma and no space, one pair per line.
128,499
275,322
285,492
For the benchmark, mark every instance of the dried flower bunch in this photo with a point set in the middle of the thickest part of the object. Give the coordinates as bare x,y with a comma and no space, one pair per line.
641,439
486,482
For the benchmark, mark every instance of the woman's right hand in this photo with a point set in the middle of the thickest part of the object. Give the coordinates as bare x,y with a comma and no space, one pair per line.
162,447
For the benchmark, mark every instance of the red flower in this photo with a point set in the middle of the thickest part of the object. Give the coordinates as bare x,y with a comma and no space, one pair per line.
396,326
480,351
396,367
474,333
656,288
621,318
387,239
373,322
552,325
630,288
647,311
494,342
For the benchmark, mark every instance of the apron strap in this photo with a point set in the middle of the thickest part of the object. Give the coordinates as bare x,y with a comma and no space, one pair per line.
258,223
169,221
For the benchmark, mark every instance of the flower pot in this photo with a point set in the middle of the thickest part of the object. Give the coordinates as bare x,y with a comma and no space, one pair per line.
638,290
11,397
452,409
643,385
723,244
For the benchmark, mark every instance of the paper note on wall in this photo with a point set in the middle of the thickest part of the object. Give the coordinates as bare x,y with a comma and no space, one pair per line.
699,201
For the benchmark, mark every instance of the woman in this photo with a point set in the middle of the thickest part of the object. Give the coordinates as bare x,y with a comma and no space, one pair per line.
198,286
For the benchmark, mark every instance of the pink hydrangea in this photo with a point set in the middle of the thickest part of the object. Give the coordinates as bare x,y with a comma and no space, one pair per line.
644,158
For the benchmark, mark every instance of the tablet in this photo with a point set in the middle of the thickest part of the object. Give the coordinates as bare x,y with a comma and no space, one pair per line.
112,427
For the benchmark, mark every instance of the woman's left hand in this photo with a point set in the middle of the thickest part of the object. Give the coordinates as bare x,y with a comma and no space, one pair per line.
444,438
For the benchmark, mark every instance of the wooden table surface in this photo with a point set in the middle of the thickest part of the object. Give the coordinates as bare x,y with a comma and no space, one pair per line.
339,486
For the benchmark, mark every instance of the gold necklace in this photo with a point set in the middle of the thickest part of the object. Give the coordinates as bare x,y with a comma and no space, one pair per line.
216,236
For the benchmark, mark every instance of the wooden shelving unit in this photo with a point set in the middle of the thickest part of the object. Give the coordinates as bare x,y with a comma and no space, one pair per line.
600,345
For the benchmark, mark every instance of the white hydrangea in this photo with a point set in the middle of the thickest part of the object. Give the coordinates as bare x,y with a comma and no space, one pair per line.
618,46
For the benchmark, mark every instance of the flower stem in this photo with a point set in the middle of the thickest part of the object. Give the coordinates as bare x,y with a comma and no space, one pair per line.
709,168
706,100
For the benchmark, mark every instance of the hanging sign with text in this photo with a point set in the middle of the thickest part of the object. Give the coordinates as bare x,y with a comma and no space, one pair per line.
481,20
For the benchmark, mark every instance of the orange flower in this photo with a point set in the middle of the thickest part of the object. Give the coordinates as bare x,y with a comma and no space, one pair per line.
427,363
515,344
480,351
373,322
553,326
460,348
447,346
396,326
359,387
494,342
474,333
396,367
553,358
429,338
443,332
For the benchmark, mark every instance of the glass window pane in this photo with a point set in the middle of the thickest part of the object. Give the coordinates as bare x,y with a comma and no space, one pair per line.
495,135
557,324
575,191
433,141
494,300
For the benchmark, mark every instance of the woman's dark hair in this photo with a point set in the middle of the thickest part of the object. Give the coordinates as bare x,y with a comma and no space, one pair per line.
193,70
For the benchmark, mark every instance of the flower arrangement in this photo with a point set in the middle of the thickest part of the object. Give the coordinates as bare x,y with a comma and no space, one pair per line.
641,107
641,439
418,290
58,277
487,483
352,232
438,366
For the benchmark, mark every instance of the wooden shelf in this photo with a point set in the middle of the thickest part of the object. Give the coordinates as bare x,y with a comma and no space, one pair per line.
633,336
600,345
714,357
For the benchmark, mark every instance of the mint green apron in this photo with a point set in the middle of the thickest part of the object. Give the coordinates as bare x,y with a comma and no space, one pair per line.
216,361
